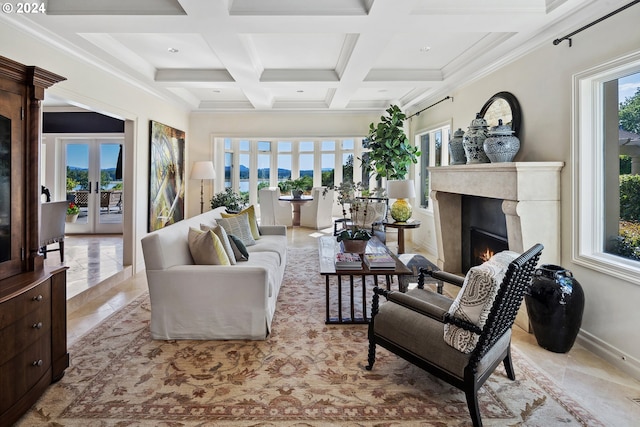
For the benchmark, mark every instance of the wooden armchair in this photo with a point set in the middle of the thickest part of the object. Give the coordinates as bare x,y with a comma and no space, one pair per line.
454,339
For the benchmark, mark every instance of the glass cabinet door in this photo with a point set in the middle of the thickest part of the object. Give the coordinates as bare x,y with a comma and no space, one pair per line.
11,196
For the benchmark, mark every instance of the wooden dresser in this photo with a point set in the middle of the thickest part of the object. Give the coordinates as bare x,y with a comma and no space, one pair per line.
33,333
33,306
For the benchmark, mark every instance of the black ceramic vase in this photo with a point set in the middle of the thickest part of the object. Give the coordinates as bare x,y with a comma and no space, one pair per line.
555,303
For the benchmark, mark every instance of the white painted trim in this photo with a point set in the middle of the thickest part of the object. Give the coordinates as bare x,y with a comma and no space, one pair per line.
613,355
587,141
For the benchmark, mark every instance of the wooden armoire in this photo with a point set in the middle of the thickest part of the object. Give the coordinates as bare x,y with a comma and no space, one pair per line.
33,306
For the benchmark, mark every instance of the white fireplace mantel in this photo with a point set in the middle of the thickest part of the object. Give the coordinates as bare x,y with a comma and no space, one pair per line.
531,203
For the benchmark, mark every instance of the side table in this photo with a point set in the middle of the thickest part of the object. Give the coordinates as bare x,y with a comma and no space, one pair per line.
401,226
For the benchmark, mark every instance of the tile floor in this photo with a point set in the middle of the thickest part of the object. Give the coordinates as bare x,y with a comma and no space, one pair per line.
610,394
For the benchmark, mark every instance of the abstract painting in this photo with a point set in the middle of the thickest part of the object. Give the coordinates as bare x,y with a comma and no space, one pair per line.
166,175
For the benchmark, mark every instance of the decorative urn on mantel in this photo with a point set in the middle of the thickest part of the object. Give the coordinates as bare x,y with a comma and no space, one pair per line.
501,145
473,141
456,149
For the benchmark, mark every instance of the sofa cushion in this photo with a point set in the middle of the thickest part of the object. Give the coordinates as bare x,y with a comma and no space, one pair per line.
239,249
271,243
474,301
238,225
224,239
206,248
253,220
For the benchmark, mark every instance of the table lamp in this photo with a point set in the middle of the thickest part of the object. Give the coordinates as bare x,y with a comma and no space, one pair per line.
400,190
202,170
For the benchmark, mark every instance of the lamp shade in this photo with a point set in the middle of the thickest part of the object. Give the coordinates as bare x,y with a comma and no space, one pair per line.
400,189
203,170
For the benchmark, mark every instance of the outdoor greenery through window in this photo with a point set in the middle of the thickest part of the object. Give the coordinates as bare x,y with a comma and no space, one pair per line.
251,164
624,238
606,156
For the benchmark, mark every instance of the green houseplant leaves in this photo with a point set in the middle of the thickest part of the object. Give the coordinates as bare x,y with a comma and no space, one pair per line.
391,153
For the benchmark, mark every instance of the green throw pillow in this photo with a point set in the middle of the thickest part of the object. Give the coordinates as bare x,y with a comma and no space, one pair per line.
224,239
206,248
239,249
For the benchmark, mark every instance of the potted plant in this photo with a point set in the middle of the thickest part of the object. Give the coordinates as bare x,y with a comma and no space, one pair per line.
231,200
354,235
391,153
72,212
297,186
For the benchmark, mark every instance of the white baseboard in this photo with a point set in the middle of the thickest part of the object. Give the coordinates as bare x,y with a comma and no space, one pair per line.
616,357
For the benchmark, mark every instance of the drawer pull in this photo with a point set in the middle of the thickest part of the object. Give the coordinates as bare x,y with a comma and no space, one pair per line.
37,362
38,298
37,325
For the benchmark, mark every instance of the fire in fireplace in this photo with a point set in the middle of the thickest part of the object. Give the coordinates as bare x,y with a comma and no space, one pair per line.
484,245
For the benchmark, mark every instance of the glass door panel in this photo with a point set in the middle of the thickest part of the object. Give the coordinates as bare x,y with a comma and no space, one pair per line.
111,185
94,183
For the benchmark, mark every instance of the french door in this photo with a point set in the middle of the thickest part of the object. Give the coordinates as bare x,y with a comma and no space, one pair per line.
93,181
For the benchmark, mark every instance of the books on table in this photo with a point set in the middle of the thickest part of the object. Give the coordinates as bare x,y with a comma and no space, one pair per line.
348,261
379,260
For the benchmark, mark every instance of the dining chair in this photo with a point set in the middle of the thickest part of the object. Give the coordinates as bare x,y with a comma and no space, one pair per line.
317,214
52,227
272,210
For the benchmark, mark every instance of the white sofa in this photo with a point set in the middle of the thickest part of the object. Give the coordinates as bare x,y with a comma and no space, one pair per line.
212,302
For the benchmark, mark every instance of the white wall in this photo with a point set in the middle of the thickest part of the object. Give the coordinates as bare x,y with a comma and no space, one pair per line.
95,89
542,82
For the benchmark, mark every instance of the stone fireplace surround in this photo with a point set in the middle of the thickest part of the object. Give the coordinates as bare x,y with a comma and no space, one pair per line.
530,194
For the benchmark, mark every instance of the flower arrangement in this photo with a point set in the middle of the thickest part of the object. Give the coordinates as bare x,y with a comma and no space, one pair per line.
348,193
73,209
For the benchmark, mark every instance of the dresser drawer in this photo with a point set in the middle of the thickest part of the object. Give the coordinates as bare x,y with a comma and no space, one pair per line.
25,331
22,372
19,306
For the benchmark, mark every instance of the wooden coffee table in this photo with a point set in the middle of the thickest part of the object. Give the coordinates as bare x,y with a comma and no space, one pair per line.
327,249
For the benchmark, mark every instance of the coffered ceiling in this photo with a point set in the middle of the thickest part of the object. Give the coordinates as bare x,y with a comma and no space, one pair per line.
344,55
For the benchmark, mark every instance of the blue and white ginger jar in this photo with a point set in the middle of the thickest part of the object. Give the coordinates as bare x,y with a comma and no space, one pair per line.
473,141
501,145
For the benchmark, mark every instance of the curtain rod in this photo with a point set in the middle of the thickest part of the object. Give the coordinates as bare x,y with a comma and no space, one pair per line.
417,113
568,36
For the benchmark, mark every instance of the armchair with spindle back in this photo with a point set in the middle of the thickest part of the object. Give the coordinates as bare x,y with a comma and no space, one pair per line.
461,340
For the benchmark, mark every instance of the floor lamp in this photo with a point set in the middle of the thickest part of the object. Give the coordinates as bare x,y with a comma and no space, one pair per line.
202,170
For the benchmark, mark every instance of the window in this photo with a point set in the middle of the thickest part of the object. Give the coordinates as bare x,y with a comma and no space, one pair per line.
284,160
606,185
264,163
250,164
434,152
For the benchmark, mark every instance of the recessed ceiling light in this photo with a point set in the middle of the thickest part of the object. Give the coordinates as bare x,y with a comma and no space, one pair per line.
173,50
300,91
216,91
382,90
425,49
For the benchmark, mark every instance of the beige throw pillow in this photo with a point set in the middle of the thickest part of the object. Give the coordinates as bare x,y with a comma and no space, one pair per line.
253,220
224,239
238,225
206,248
475,299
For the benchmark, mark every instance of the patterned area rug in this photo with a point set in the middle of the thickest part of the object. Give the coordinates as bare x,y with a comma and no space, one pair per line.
305,374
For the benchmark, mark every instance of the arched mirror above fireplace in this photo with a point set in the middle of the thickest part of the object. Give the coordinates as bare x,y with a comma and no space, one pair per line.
505,106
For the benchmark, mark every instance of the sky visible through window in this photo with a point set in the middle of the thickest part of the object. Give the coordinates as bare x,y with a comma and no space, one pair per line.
78,156
628,86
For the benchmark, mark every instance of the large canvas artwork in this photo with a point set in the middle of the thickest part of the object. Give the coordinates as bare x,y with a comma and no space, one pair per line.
166,176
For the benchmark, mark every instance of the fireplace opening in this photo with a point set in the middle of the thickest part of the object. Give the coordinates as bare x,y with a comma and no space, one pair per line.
484,245
485,216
